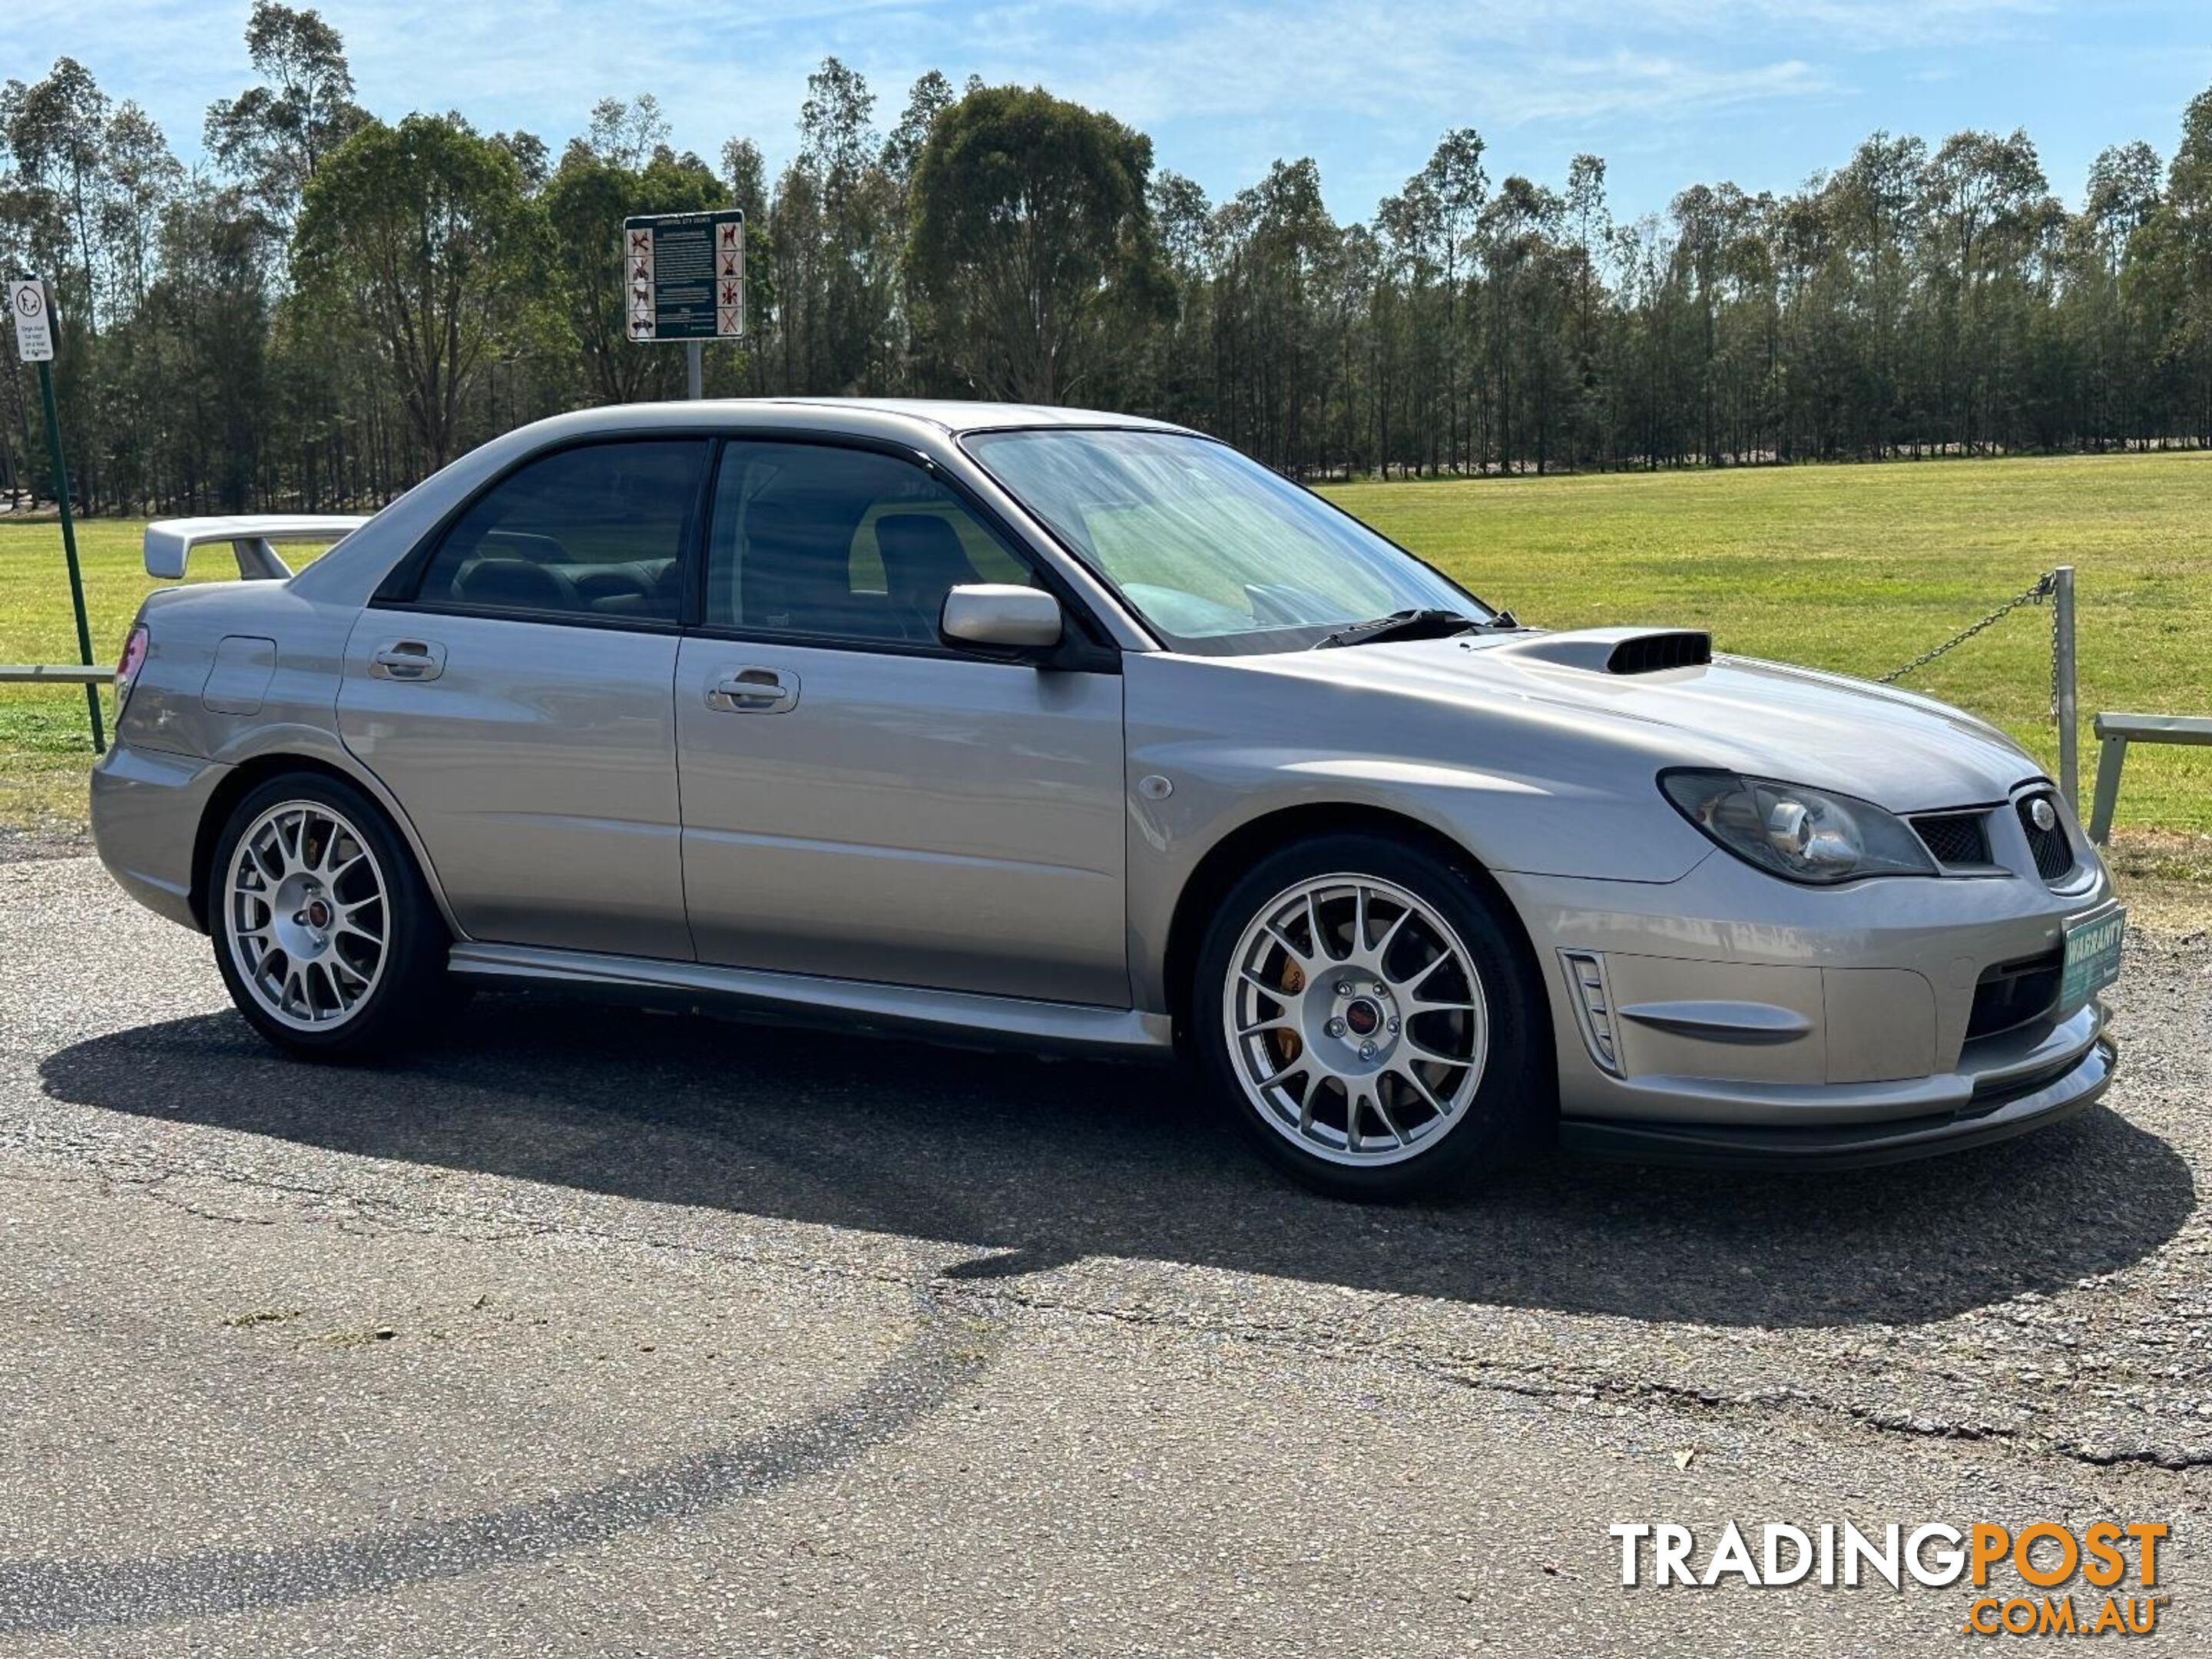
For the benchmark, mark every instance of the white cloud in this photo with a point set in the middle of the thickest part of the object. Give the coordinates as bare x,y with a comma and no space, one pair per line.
1225,88
741,69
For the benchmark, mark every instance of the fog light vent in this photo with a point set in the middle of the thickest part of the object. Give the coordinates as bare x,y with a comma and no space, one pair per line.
2047,835
1594,1002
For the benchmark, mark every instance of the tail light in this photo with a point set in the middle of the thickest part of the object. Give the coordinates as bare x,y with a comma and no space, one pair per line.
126,670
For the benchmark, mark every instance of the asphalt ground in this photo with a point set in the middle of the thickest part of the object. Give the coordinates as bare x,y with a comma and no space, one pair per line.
594,1331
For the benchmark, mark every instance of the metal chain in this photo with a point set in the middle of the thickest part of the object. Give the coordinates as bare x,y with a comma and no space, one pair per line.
2052,578
2044,586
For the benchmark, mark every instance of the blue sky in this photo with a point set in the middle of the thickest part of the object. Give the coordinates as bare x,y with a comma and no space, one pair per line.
1670,92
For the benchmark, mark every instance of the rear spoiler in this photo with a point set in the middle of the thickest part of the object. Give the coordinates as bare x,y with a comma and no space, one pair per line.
252,539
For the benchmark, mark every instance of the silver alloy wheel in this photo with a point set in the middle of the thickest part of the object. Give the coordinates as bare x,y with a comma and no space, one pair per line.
1357,1018
307,914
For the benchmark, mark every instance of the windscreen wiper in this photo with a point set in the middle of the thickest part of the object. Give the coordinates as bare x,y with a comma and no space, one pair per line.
1402,625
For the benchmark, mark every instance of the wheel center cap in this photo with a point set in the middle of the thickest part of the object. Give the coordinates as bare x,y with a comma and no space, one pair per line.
1362,1017
318,913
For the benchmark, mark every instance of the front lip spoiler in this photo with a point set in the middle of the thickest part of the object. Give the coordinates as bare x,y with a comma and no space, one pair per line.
1994,1114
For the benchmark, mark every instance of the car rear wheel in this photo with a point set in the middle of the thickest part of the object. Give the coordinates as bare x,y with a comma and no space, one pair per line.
1364,1008
324,929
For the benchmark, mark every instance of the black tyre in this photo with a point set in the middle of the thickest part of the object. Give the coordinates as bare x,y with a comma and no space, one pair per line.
324,930
1365,1010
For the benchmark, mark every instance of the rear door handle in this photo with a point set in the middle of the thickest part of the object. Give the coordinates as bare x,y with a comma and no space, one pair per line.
754,692
408,659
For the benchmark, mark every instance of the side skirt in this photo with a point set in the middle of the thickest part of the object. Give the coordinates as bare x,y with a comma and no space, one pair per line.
958,1016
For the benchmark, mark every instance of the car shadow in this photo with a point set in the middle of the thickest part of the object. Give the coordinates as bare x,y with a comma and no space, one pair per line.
1035,1164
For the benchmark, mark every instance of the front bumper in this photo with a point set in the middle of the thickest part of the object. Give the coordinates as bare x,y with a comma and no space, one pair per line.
1750,1020
1991,1113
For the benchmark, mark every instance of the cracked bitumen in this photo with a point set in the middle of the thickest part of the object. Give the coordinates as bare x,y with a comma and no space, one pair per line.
591,1330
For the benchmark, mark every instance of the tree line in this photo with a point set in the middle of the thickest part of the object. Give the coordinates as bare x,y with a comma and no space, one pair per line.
332,305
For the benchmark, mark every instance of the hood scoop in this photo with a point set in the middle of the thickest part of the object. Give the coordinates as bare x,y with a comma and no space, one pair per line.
1617,650
1648,654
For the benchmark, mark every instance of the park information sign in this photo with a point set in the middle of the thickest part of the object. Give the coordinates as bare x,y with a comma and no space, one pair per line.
34,328
685,276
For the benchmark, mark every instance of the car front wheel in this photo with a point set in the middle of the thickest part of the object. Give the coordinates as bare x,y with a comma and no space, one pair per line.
1364,1007
324,930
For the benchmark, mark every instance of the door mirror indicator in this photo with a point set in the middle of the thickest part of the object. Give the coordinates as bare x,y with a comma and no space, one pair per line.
1000,617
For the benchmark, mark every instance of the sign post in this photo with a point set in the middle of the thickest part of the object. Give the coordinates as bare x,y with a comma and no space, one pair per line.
28,305
683,278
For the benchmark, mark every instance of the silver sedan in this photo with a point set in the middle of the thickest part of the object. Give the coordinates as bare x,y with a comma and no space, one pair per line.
1081,732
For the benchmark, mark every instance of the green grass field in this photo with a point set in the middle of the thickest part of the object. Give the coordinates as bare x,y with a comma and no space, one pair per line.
1850,568
44,749
1859,568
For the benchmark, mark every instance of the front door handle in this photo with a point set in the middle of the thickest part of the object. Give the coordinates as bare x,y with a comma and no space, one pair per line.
754,692
408,659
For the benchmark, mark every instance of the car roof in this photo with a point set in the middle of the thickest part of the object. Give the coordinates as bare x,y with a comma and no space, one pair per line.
963,415
942,416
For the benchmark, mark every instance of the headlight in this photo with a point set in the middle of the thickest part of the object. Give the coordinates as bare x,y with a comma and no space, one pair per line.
1797,833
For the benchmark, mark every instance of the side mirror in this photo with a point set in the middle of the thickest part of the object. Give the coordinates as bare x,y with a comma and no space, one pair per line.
1000,617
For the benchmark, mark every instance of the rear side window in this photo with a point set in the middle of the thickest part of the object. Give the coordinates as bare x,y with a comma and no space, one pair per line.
840,544
597,531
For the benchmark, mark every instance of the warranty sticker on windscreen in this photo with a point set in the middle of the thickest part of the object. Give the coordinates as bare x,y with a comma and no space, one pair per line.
2093,957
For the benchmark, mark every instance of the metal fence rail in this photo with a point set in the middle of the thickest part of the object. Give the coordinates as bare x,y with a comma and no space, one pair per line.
54,673
2115,732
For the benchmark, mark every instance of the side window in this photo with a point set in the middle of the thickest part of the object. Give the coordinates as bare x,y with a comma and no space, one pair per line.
840,544
596,531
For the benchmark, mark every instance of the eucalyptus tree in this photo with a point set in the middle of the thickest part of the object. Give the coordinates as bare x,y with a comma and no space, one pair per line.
743,182
929,98
57,132
423,233
1032,259
854,227
341,303
1868,220
80,203
1524,370
1178,369
208,315
1986,204
2096,345
276,135
1588,233
1456,186
1279,262
584,201
2171,253
627,132
1405,225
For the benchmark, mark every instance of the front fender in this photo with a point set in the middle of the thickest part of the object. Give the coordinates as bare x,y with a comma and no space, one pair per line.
1235,748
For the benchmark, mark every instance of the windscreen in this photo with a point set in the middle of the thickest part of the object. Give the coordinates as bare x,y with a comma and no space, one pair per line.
1218,554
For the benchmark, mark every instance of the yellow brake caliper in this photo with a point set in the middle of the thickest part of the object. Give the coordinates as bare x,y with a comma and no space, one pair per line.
1288,1045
